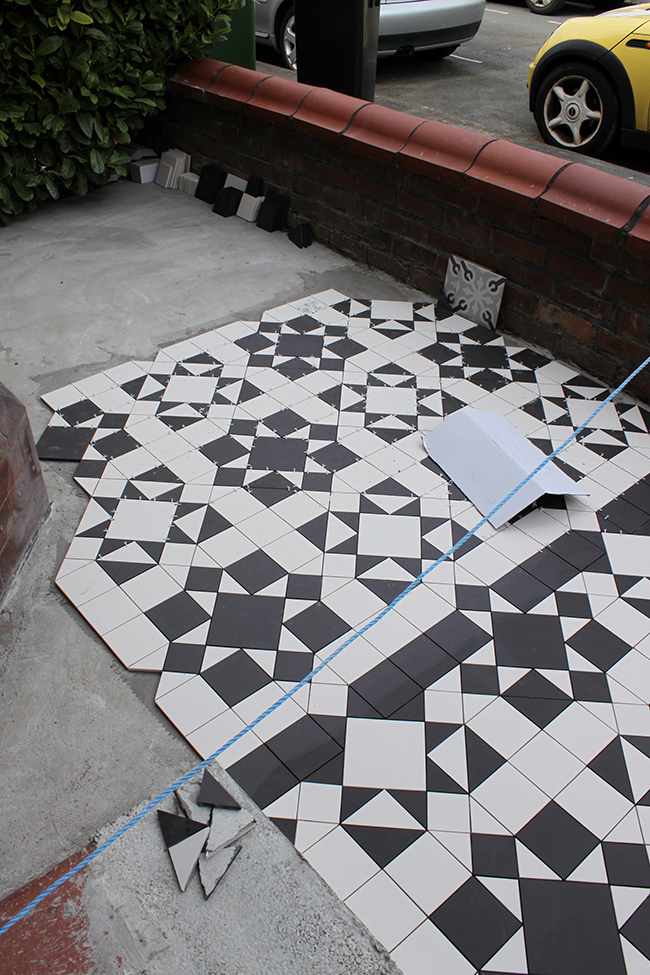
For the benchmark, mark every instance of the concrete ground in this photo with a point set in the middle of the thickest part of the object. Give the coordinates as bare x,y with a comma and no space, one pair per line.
90,283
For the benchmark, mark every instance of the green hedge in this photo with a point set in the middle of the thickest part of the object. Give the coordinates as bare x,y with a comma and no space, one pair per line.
78,77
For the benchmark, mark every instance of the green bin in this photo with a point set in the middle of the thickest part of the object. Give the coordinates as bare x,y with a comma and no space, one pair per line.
239,44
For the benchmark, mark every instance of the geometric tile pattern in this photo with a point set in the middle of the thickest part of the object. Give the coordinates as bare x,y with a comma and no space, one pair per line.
472,776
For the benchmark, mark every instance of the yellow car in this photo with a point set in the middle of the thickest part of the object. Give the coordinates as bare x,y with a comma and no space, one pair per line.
589,84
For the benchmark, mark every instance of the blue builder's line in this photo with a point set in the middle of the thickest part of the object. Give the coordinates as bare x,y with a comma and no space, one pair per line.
305,680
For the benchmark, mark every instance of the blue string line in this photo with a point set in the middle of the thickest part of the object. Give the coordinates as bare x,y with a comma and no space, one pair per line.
305,680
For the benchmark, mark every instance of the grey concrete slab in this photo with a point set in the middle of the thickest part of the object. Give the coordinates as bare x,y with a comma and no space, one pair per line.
88,283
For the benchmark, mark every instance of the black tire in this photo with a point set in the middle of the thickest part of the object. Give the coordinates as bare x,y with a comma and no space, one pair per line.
286,40
585,118
545,7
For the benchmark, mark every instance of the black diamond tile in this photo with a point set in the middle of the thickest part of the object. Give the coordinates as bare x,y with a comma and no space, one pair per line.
177,615
303,346
561,937
303,323
477,679
598,645
494,855
317,626
621,515
262,776
386,688
528,641
627,864
485,357
203,579
246,621
303,587
458,636
334,457
79,412
254,342
475,922
549,569
184,658
573,604
489,380
559,840
236,677
284,422
224,450
576,549
346,348
639,495
473,598
255,571
423,661
277,454
589,686
292,665
115,445
303,747
521,589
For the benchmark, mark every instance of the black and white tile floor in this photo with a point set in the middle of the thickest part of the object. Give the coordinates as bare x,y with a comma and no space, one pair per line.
472,777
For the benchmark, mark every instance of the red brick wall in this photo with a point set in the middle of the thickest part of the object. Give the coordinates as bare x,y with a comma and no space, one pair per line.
402,194
23,498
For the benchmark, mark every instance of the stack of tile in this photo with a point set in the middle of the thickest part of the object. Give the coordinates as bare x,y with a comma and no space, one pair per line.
187,183
173,164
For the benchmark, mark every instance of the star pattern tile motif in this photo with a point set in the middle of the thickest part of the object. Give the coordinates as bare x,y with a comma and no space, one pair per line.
472,776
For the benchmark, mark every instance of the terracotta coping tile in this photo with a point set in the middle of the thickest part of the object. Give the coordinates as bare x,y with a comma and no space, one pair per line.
233,86
278,97
591,201
191,78
514,171
436,149
379,132
326,113
638,239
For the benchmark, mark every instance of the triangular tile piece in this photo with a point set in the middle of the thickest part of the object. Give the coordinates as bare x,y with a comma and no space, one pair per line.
638,769
451,757
176,829
383,811
505,890
383,845
186,796
228,826
184,855
577,662
213,869
510,958
626,901
610,766
482,759
592,869
212,793
459,844
510,675
635,962
627,831
531,867
483,822
414,802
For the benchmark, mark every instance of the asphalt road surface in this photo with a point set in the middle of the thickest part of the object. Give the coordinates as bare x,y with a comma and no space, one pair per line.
483,85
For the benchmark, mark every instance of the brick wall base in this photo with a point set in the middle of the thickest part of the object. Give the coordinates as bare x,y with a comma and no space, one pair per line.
402,194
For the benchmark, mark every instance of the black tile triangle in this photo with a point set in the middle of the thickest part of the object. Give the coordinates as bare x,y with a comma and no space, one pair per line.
386,589
121,572
640,742
436,732
412,711
354,798
213,523
382,844
315,531
482,759
331,773
286,826
212,793
413,802
175,829
439,781
610,765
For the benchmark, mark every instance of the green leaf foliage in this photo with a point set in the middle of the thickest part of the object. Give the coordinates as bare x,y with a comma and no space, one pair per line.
77,80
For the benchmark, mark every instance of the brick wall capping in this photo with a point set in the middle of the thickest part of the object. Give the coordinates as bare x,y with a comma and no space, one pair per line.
584,198
638,240
514,174
325,113
279,98
379,132
191,78
441,150
233,86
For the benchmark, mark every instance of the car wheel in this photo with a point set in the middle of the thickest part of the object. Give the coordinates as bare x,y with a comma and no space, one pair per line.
577,108
287,40
545,6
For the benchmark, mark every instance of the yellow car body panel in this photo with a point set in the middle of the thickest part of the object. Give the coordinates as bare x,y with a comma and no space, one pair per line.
612,31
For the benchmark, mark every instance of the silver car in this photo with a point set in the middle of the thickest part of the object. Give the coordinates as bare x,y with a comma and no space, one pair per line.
437,26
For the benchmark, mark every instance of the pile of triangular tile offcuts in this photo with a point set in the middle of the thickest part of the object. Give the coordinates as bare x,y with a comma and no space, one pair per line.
208,833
